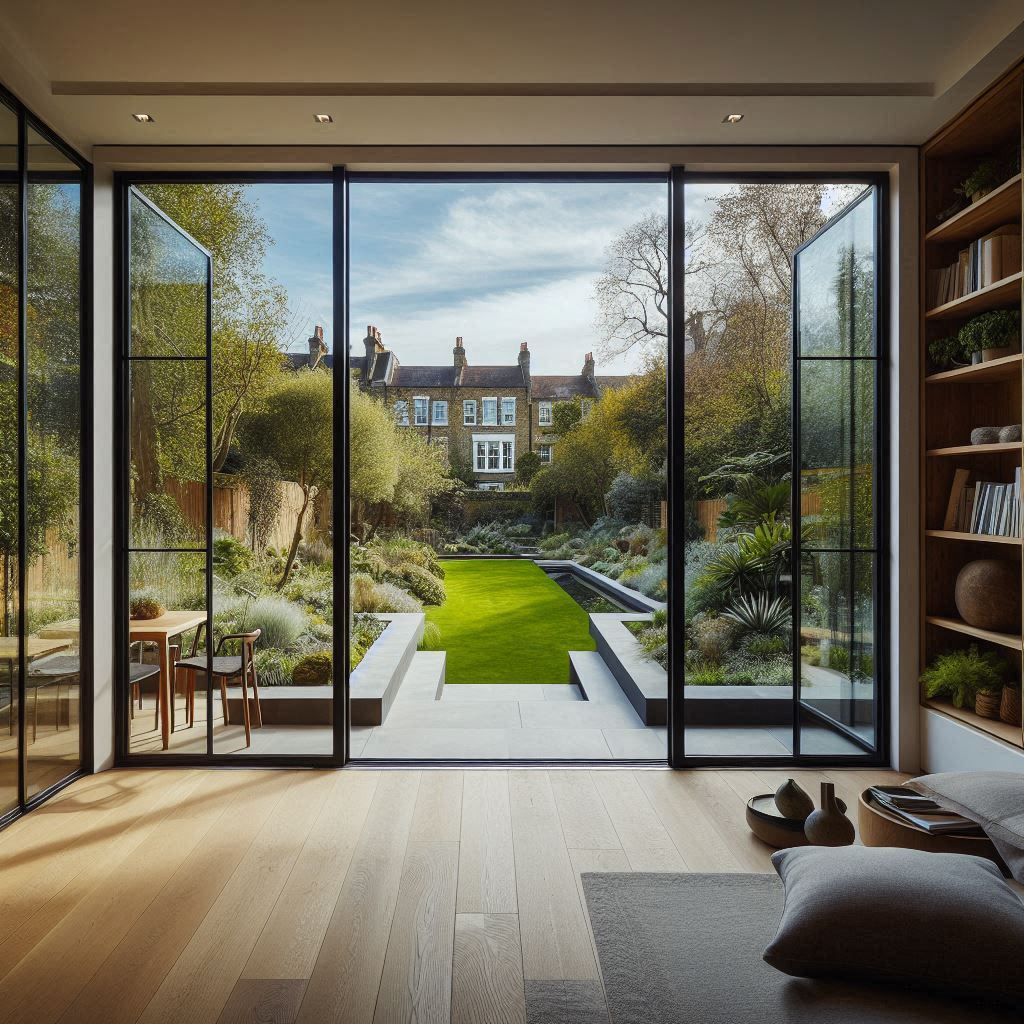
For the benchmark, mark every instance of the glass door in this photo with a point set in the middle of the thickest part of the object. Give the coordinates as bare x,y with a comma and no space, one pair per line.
168,435
835,482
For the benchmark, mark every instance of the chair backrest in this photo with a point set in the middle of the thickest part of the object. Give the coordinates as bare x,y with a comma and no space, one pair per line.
248,641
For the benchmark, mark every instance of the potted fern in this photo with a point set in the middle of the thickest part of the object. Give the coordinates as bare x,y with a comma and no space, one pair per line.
991,335
989,175
967,678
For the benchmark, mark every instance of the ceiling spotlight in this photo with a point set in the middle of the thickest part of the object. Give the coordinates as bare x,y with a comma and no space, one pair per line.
144,118
732,119
323,119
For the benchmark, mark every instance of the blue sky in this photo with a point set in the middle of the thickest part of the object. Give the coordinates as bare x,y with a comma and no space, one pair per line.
498,263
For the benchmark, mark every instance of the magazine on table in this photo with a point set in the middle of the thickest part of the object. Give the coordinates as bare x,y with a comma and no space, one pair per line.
923,812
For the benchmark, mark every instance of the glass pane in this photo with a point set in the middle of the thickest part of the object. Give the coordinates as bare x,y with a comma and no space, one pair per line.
168,291
836,283
53,331
837,678
10,647
168,453
167,603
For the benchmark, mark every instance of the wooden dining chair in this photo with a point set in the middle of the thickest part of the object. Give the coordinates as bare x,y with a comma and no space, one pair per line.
226,669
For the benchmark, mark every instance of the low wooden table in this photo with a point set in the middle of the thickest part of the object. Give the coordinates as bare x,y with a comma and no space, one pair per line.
878,827
159,631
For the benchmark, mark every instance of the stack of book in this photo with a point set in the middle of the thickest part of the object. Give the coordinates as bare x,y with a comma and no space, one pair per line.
922,812
990,509
985,261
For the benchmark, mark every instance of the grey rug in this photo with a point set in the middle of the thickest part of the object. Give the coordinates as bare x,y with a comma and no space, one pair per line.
686,949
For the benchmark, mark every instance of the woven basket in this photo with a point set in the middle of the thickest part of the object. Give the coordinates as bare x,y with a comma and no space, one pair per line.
986,705
1009,706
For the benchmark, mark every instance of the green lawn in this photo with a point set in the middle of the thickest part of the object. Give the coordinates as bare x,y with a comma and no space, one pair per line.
506,621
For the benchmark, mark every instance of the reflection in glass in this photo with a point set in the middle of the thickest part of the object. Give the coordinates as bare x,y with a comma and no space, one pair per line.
836,279
53,336
9,639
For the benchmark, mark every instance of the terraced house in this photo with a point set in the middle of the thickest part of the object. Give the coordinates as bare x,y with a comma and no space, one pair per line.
486,416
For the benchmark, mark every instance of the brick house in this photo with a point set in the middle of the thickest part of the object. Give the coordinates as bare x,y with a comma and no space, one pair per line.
485,416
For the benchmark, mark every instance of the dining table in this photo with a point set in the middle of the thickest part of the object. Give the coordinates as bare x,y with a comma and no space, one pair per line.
35,648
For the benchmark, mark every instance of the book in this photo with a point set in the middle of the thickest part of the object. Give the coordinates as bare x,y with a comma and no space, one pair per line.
956,494
922,813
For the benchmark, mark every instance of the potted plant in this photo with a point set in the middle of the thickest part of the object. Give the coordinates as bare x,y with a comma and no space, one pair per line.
947,352
989,175
1009,704
962,675
991,335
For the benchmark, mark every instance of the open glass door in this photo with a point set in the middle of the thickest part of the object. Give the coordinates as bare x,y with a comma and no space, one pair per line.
835,492
168,436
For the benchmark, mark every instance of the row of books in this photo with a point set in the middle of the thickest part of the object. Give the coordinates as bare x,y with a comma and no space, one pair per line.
922,811
988,508
985,261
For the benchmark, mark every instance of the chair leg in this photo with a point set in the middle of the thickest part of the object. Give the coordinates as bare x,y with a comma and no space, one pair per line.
245,712
256,700
190,684
224,698
136,692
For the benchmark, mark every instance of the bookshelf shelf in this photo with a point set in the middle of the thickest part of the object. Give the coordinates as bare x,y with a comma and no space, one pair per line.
997,208
994,296
1005,368
974,538
975,449
1011,640
993,726
955,401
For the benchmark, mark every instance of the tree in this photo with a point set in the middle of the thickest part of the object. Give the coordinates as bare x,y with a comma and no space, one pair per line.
263,481
527,466
294,428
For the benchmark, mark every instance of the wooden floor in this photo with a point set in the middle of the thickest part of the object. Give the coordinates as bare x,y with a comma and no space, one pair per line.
172,896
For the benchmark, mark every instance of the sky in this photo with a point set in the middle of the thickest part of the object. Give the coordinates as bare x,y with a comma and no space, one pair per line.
497,263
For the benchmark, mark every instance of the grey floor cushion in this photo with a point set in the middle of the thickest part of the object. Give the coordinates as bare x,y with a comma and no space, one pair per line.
687,949
995,800
944,921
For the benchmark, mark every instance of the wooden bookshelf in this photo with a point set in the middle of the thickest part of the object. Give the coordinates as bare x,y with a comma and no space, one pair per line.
955,401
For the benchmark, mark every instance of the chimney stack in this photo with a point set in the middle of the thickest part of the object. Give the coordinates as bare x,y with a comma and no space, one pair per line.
524,361
317,348
588,366
460,355
373,345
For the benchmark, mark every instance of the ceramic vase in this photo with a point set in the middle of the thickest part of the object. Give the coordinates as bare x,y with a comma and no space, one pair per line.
792,801
828,826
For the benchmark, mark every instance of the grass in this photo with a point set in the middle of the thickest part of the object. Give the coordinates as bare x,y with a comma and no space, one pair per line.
506,621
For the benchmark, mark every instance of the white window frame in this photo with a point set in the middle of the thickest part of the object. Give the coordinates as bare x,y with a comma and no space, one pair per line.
498,486
469,412
546,454
416,410
544,414
401,411
434,406
585,405
494,453
508,419
485,421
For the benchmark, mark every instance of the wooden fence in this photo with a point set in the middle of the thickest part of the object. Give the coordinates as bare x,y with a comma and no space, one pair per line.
707,512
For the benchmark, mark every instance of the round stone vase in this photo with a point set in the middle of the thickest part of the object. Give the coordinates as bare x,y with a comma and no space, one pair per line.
828,826
988,595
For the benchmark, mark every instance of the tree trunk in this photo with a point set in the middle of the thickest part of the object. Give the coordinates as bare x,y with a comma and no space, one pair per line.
296,537
227,433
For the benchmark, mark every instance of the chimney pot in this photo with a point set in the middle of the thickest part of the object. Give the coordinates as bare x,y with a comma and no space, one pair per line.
523,347
460,355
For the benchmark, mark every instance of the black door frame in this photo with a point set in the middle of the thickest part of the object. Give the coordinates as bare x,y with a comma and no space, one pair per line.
677,378
23,176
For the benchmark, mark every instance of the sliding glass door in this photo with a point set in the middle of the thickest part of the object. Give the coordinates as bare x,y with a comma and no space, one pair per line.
778,297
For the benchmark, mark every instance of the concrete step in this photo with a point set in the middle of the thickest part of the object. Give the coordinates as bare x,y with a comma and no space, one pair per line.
596,681
424,678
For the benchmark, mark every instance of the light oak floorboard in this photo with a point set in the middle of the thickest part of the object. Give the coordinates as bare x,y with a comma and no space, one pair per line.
584,861
487,871
346,977
487,981
263,1001
584,818
438,814
416,984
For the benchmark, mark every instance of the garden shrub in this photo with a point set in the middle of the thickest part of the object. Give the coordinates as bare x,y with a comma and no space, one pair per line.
810,654
713,637
763,645
431,639
313,669
630,496
705,674
231,556
553,541
274,667
839,659
370,596
422,583
281,622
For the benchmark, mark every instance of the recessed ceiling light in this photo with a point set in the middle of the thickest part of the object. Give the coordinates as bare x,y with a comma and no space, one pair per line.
323,119
732,119
144,118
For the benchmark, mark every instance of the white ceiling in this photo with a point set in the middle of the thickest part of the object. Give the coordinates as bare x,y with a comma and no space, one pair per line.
255,72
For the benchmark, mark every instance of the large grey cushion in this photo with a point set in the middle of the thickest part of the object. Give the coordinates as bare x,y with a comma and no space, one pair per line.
944,921
995,800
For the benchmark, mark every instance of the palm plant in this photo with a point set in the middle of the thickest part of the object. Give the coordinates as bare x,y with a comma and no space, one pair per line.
759,613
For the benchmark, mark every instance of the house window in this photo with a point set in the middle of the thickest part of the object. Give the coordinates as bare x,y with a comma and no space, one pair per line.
490,412
494,454
401,408
469,412
420,409
440,414
508,412
545,454
544,414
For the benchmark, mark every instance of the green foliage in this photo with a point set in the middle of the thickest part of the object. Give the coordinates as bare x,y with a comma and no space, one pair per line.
274,667
995,329
630,496
313,669
528,464
712,635
705,674
262,477
230,556
990,173
758,613
144,606
367,595
281,621
365,630
947,351
423,584
566,415
432,640
960,675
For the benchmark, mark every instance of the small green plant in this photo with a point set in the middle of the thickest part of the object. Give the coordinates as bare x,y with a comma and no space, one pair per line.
810,654
421,582
230,556
144,606
994,329
759,613
313,669
703,674
839,659
431,639
990,174
947,351
961,675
